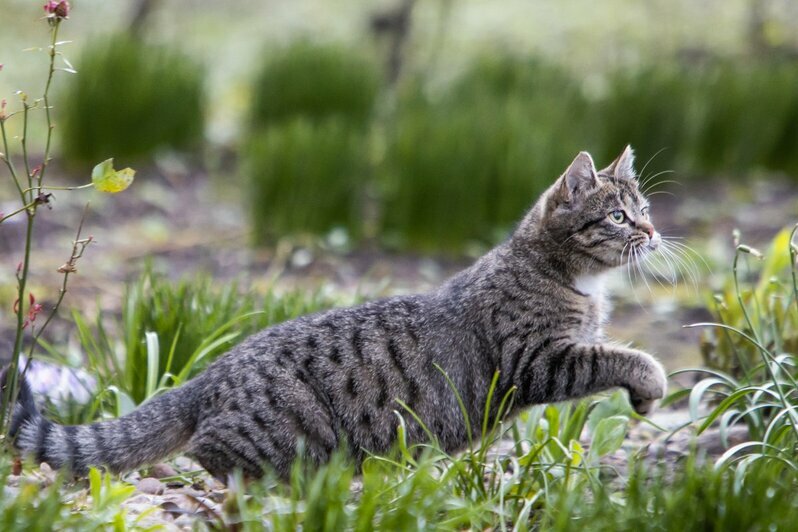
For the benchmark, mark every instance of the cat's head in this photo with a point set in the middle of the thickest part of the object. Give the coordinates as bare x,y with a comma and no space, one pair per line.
599,219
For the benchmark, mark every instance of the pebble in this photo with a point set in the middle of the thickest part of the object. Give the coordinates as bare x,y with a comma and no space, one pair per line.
163,471
150,485
47,474
185,464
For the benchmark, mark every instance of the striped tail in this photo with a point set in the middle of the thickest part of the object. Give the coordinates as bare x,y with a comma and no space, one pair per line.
150,433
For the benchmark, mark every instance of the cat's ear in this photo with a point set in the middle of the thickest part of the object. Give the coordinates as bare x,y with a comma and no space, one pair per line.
579,178
623,166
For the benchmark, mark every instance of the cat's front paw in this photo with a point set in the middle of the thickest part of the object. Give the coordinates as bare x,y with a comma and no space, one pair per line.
650,384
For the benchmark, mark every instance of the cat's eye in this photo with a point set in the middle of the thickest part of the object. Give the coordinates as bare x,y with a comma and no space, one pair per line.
617,217
644,212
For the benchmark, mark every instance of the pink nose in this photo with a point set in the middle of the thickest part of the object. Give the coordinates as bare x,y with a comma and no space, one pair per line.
647,228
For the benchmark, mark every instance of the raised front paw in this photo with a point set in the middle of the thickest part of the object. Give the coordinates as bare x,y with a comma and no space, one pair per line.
648,384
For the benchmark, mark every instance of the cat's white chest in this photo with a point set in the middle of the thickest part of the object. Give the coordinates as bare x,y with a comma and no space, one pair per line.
596,308
590,285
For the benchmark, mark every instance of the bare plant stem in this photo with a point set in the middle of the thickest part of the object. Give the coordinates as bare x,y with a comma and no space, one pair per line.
7,158
11,388
78,246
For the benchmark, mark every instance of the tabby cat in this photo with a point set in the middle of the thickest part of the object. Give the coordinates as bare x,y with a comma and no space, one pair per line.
532,309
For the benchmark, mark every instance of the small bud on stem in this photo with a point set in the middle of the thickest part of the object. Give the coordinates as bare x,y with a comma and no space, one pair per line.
742,248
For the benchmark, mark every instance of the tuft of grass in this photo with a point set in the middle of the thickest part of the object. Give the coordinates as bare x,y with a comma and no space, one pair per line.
757,344
458,164
723,116
306,177
756,308
315,81
696,496
34,503
130,100
169,332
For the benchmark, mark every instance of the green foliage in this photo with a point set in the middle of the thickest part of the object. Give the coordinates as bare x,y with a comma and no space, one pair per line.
33,505
130,100
31,508
315,81
724,116
757,345
306,177
762,309
307,156
170,331
694,497
460,163
466,162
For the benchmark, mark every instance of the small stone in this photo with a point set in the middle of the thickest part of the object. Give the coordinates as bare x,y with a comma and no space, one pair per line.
163,471
47,474
185,521
184,464
138,499
150,485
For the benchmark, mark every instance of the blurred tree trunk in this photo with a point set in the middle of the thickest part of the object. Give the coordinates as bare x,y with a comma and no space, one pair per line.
393,25
139,14
757,20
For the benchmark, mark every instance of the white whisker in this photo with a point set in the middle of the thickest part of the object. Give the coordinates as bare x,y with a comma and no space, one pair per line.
650,179
643,171
669,193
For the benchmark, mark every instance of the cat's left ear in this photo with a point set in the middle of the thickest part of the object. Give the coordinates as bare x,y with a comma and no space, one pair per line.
623,166
578,179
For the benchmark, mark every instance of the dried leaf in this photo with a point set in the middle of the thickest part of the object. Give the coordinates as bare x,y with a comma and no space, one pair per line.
106,179
67,267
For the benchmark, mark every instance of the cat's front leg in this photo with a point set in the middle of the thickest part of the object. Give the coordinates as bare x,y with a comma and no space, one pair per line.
569,370
644,377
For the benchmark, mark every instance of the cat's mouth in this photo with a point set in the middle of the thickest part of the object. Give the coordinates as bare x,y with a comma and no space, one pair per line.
639,250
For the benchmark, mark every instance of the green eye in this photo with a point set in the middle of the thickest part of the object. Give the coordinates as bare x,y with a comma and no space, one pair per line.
617,217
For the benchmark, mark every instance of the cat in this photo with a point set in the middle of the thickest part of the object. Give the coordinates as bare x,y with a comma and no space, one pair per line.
533,309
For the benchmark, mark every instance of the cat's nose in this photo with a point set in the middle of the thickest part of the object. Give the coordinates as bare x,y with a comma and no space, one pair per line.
647,228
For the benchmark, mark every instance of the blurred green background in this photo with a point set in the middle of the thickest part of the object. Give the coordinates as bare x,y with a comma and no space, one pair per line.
427,125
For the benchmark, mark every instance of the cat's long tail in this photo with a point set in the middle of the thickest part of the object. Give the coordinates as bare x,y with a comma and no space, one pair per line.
150,433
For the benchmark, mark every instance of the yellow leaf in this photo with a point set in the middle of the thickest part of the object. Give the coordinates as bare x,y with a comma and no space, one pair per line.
106,179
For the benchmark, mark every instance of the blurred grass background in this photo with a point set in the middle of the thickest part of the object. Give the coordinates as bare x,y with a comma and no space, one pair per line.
421,125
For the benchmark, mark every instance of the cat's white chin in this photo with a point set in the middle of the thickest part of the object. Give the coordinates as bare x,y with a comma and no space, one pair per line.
654,242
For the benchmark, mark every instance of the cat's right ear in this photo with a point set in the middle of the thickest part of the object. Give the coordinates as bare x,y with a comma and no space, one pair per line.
623,166
578,179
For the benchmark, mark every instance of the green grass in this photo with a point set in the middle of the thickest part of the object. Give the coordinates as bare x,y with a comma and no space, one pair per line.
692,497
306,177
756,347
758,299
314,81
460,163
169,332
306,155
129,100
724,116
40,504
